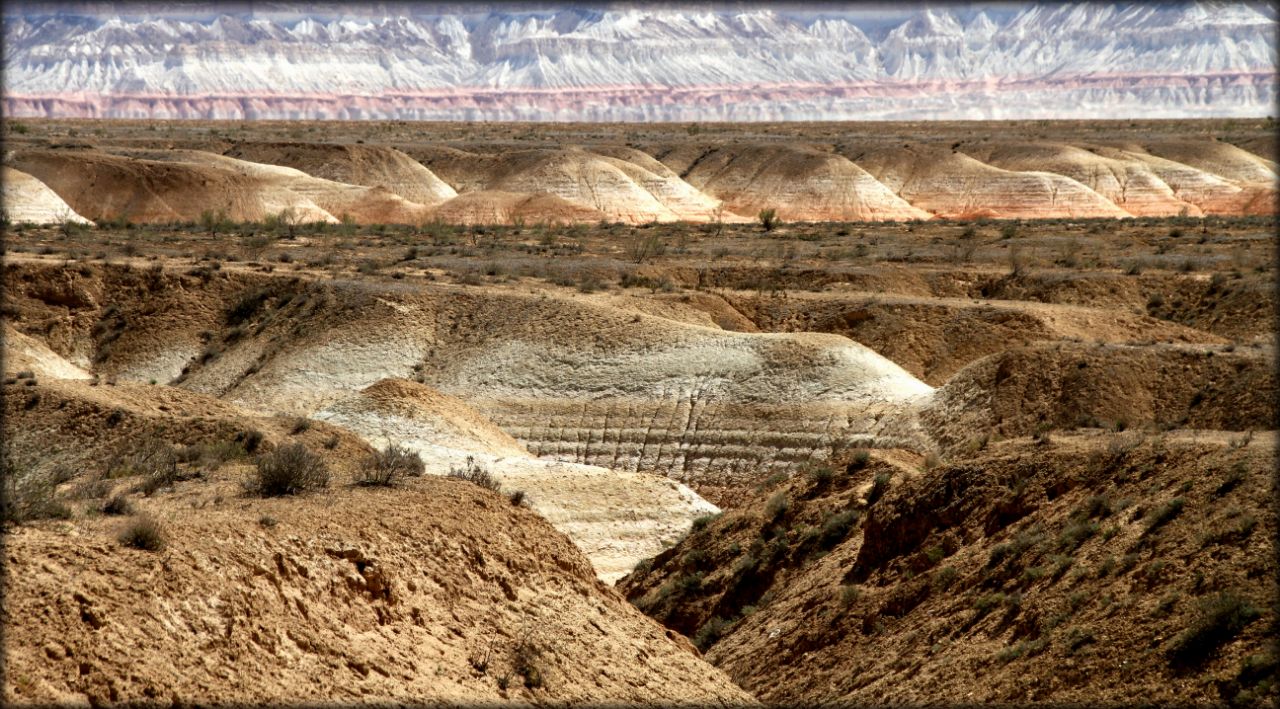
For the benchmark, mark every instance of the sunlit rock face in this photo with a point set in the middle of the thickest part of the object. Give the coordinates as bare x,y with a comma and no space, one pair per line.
628,63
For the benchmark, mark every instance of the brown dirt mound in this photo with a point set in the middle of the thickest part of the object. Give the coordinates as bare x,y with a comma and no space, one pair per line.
935,337
89,426
443,419
367,165
498,207
438,592
335,200
800,182
1056,386
1054,573
953,184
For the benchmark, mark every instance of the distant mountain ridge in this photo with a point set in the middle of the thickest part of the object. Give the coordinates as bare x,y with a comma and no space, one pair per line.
625,63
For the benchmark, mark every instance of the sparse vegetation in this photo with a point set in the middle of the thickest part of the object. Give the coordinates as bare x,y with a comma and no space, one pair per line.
476,474
289,470
383,467
144,533
1218,620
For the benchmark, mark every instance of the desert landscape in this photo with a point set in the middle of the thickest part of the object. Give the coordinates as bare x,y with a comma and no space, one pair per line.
705,413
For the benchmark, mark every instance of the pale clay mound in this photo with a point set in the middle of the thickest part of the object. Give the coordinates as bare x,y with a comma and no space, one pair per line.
624,184
616,518
1211,193
351,596
370,166
952,184
623,190
799,183
27,199
591,383
23,353
110,186
496,207
1131,184
1222,159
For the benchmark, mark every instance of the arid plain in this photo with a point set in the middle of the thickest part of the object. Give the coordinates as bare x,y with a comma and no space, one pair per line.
830,412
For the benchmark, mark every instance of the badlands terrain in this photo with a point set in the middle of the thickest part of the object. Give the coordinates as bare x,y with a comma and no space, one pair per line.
860,413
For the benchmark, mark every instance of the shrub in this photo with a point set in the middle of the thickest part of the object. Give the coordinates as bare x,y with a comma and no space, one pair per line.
1234,477
384,466
860,459
249,440
29,494
143,533
517,498
689,583
777,506
768,218
879,487
290,469
836,528
701,521
1164,514
944,577
475,473
711,632
849,595
1076,533
988,603
1219,619
820,477
117,505
301,424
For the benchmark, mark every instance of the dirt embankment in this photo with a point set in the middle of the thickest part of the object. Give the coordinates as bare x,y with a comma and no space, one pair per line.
439,592
1099,567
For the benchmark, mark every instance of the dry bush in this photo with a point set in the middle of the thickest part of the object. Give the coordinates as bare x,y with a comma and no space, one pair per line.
385,466
117,505
473,472
143,533
288,470
29,494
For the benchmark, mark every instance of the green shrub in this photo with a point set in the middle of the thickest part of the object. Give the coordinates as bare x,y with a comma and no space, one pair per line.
1164,514
849,595
1076,533
836,527
1235,476
768,218
288,470
944,577
820,477
702,521
777,506
1219,619
879,486
711,632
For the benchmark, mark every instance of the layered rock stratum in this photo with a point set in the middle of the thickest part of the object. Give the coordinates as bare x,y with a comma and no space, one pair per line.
631,63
